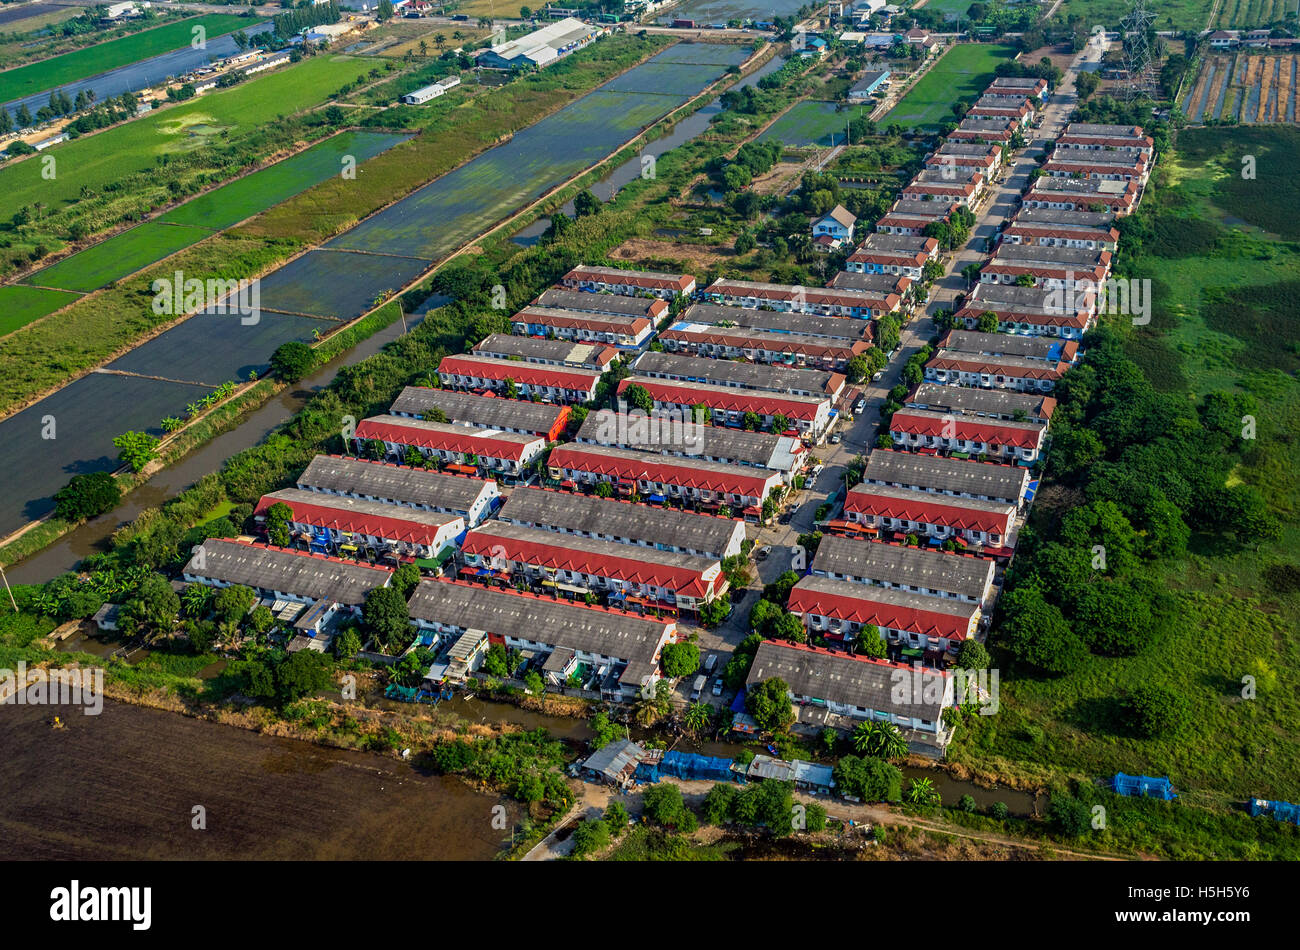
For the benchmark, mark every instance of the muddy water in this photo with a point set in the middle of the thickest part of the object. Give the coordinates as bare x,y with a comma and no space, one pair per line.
124,785
92,537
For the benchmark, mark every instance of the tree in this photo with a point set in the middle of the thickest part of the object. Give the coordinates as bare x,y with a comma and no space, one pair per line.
590,836
1158,712
789,627
987,322
716,809
301,674
136,449
663,803
385,10
347,644
1086,84
1037,634
585,203
921,791
385,618
405,579
880,740
1113,618
763,616
195,599
680,659
292,361
279,518
769,704
699,716
153,607
868,779
1069,815
871,643
534,683
972,655
616,817
230,604
86,496
639,397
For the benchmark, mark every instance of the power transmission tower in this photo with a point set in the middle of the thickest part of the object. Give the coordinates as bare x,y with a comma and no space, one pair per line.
1141,73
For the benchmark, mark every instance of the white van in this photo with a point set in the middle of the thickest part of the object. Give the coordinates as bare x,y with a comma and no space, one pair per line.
698,689
711,662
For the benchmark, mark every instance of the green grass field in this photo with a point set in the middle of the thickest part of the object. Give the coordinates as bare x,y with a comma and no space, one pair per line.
245,197
50,74
812,123
1170,14
962,73
19,306
98,160
1223,269
120,255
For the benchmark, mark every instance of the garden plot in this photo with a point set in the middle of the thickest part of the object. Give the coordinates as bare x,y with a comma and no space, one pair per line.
19,305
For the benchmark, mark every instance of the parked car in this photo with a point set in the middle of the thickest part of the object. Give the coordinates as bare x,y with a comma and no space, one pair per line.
786,517
698,687
711,662
836,439
860,405
762,552
717,686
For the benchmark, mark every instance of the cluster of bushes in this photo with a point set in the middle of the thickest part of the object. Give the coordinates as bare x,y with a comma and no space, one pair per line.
528,766
1141,467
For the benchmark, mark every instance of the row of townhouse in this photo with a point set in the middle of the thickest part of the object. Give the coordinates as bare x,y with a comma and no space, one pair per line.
1038,311
808,416
911,218
1060,268
955,185
823,301
839,609
628,283
893,254
766,376
985,157
558,384
963,577
763,346
598,357
1083,194
339,522
459,445
1013,442
471,499
1082,162
486,412
1055,227
880,508
665,435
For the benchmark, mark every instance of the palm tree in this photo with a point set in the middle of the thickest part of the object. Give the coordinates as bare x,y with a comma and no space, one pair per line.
699,716
921,792
880,739
440,40
194,600
424,48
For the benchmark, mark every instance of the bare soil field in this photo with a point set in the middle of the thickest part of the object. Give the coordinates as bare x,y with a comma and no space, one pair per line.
644,250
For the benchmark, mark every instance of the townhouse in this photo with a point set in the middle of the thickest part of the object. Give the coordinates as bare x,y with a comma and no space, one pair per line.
985,157
1054,227
795,349
986,481
1038,310
1019,442
983,403
999,130
998,372
711,485
916,570
617,520
833,328
831,688
874,283
490,449
768,377
838,610
1082,194
282,575
908,511
344,523
1006,344
1121,138
913,217
1105,166
648,308
1052,267
665,435
548,383
472,499
628,283
1002,107
581,564
619,330
612,652
959,184
816,300
808,415
502,346
892,254
489,412
1027,86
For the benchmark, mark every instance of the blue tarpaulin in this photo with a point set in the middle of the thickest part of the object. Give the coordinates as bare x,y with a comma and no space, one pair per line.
1143,786
1282,811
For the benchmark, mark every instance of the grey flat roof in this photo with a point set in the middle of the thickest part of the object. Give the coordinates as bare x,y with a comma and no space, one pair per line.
530,348
1027,299
1064,217
1046,348
899,564
968,148
1004,364
1036,254
305,575
589,514
582,301
490,412
588,629
362,507
946,474
878,283
905,599
762,376
751,448
916,496
1080,186
892,243
840,678
970,400
544,315
923,209
599,547
1108,131
385,480
833,327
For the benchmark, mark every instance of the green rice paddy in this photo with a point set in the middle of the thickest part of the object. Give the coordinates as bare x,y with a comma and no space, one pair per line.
93,60
19,305
120,255
962,72
811,123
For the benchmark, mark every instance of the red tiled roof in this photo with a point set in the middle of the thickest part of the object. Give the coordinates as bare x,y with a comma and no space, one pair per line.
930,509
1044,318
966,427
638,466
1065,232
470,441
815,296
578,320
531,374
728,398
650,280
390,527
827,348
868,606
632,569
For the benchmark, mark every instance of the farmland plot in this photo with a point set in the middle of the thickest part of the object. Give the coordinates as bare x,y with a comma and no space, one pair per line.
811,123
120,255
961,73
337,284
19,306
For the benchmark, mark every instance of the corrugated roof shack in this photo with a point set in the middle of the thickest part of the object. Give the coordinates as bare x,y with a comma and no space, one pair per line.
614,764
